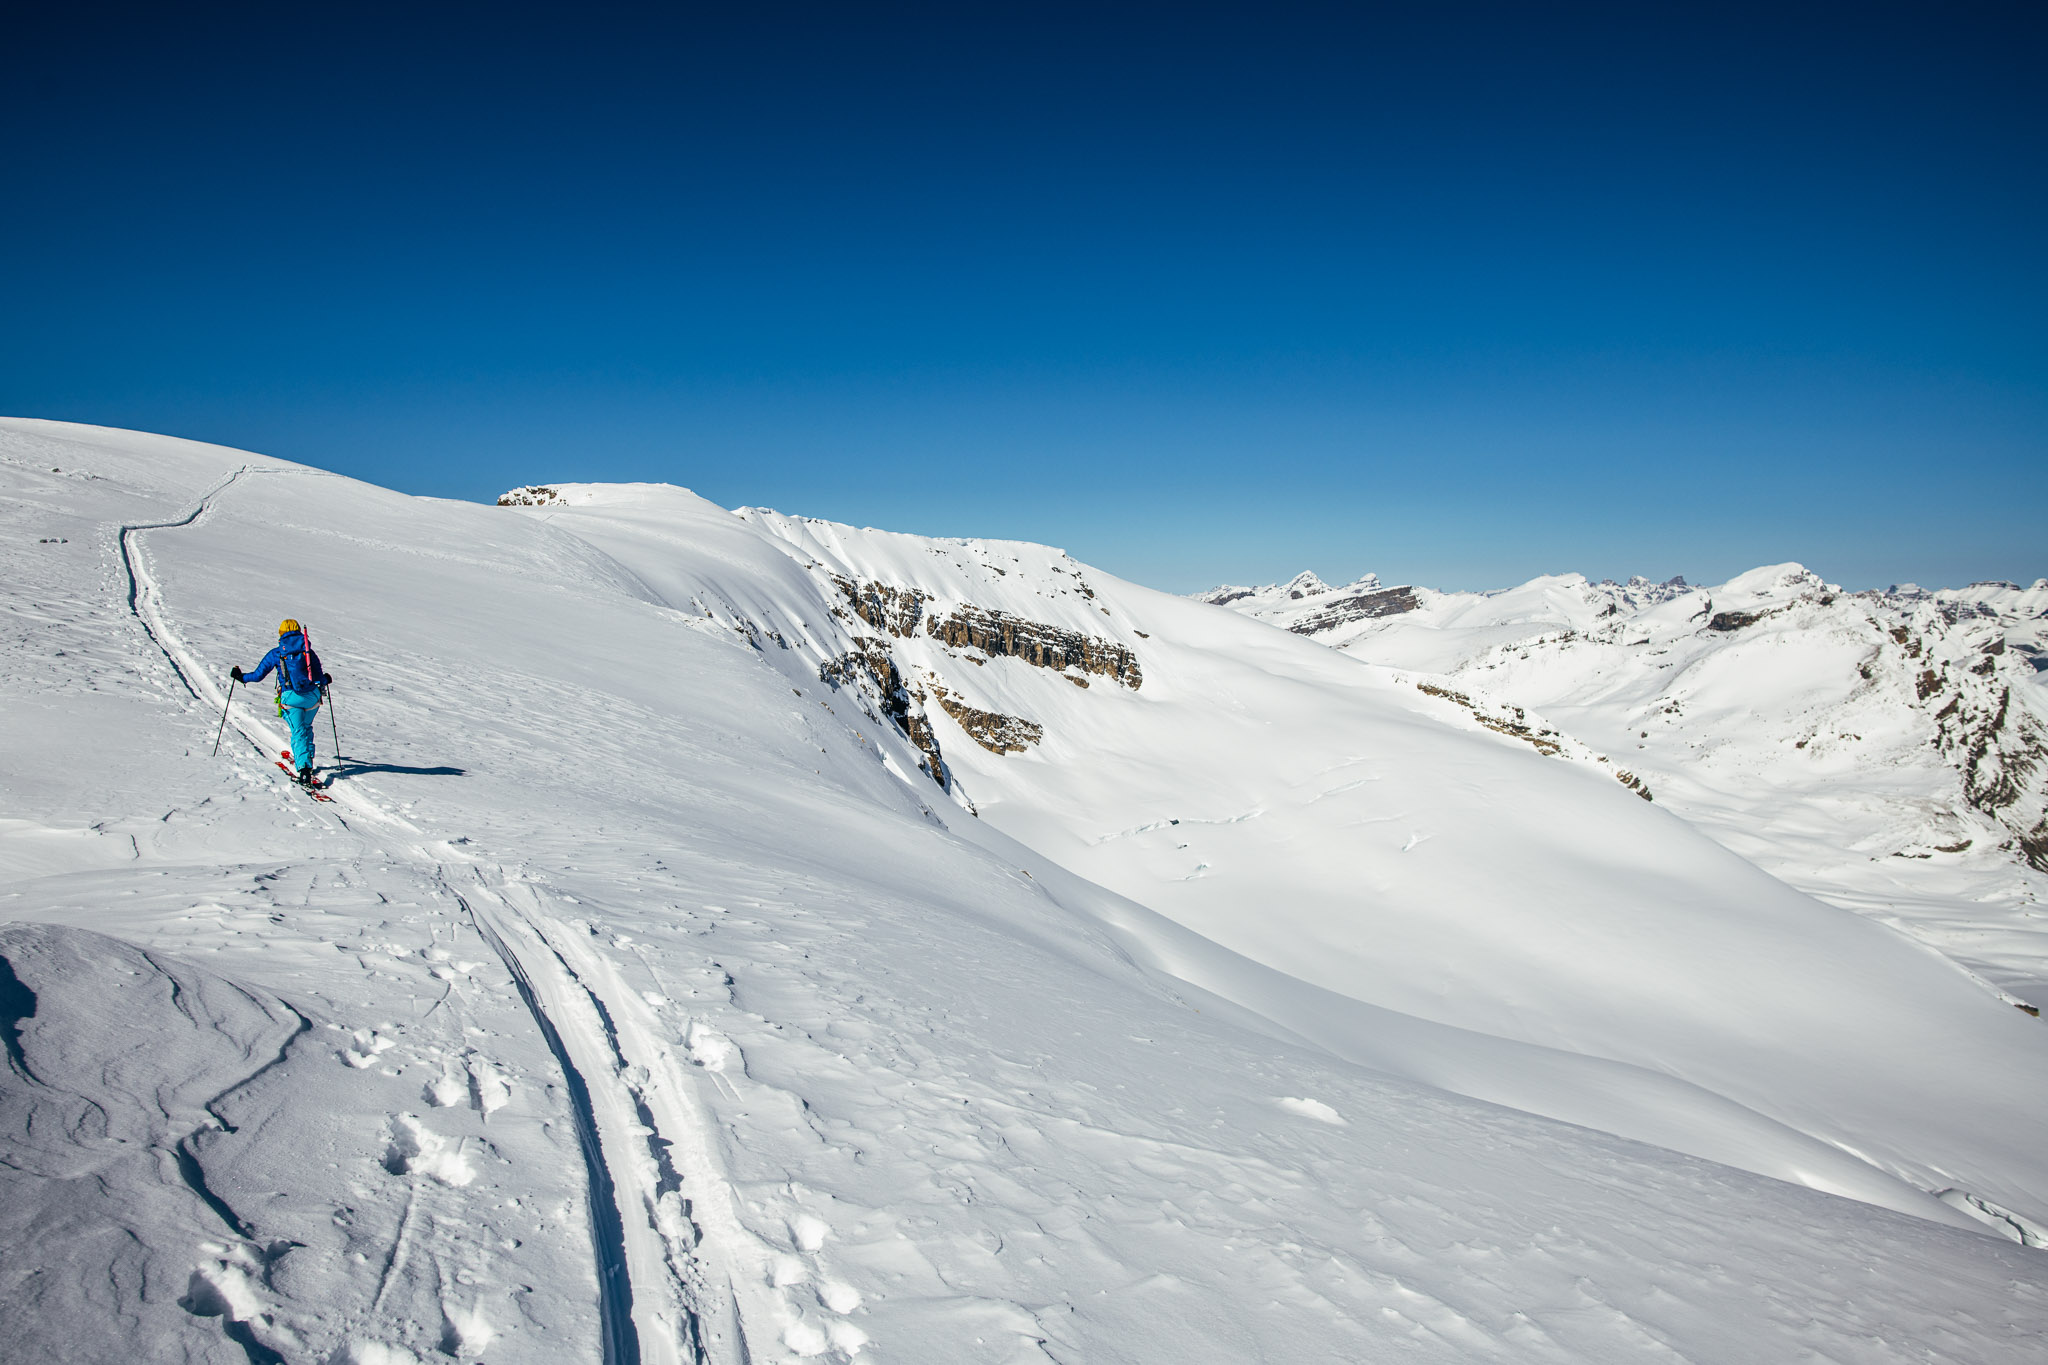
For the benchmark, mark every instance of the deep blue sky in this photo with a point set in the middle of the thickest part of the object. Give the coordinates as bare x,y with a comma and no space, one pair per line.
1460,294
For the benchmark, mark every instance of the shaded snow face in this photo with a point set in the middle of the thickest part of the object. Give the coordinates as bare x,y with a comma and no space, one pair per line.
659,1003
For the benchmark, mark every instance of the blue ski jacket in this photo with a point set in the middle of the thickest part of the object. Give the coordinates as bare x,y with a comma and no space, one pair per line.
298,667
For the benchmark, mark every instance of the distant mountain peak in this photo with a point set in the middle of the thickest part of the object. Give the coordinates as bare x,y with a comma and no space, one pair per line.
1306,584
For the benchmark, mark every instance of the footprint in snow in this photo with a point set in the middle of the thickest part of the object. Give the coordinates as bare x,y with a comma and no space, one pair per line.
444,966
224,1286
366,1047
809,1232
711,1049
464,1331
807,1338
416,1149
489,1091
445,1090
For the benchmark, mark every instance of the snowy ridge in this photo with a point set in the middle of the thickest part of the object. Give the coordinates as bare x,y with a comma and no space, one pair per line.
649,909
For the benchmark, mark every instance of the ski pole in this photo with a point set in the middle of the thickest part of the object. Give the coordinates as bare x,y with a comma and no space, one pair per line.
224,718
331,724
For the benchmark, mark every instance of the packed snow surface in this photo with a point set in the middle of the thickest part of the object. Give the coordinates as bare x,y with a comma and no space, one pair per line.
739,937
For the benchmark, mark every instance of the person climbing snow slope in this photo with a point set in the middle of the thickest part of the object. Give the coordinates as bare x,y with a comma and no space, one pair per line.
301,684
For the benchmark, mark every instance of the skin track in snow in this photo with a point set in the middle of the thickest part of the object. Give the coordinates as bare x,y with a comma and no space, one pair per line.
615,1300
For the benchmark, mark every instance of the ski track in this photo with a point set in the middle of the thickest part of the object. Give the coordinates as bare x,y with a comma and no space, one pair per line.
657,1195
143,596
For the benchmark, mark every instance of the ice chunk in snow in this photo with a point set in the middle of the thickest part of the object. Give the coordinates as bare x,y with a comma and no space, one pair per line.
1312,1109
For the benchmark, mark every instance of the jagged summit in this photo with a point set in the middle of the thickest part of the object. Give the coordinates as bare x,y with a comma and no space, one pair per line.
1302,586
1308,606
1639,583
1305,584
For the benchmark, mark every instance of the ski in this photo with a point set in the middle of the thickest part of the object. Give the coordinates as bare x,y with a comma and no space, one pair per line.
312,789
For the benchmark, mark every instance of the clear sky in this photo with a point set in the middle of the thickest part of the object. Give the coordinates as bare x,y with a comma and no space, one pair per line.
1457,293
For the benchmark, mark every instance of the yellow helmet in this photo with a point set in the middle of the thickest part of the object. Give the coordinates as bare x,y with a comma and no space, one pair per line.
287,626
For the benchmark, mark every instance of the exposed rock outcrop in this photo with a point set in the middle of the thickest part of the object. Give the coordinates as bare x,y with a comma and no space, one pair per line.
1307,605
886,608
1735,620
1999,749
899,612
870,668
1963,671
534,495
993,731
999,633
1361,606
1505,720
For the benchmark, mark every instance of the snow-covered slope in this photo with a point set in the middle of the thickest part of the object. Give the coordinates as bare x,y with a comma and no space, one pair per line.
1886,751
649,992
1355,833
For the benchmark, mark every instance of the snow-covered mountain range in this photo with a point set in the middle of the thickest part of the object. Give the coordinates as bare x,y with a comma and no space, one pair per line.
1886,751
735,936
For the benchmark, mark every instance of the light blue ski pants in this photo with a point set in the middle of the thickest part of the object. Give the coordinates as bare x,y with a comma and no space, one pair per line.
299,708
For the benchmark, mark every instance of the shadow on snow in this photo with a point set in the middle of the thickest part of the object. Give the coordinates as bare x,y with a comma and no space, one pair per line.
351,768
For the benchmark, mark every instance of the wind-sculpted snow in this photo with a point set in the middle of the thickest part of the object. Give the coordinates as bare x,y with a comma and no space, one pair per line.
638,997
118,1062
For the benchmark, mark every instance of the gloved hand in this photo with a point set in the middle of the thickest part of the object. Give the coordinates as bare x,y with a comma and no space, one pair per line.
236,673
326,678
